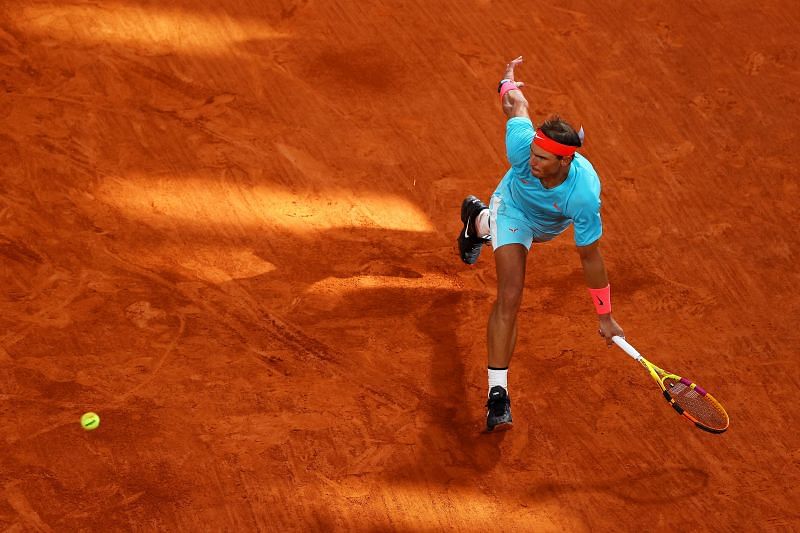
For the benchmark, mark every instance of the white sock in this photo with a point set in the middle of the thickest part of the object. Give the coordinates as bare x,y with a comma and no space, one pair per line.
482,223
498,376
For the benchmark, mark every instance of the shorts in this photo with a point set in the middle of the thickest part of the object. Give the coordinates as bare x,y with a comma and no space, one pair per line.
509,225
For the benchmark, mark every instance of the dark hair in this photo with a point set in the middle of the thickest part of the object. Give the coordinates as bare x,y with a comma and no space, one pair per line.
560,131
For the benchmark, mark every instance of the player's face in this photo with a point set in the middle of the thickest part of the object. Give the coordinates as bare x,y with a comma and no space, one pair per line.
544,165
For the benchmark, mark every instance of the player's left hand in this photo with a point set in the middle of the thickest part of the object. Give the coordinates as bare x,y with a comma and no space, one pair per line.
509,73
609,328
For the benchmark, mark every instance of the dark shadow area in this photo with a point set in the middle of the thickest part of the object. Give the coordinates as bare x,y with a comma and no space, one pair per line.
656,486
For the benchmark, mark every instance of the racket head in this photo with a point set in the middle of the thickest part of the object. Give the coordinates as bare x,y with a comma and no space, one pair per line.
690,400
695,403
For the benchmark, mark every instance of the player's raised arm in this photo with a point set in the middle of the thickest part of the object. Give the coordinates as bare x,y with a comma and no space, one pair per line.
514,102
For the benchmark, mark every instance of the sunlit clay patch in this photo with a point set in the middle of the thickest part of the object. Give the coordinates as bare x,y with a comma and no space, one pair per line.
163,203
154,28
222,265
332,285
412,509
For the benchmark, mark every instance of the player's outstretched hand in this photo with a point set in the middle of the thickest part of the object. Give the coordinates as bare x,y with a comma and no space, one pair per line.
509,74
609,328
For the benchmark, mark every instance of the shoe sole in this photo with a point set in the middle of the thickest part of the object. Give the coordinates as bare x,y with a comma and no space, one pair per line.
505,426
466,261
465,220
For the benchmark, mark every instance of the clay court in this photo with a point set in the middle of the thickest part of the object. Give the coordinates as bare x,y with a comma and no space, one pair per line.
229,229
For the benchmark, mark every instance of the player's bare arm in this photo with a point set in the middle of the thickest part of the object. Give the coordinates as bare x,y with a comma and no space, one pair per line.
514,102
594,271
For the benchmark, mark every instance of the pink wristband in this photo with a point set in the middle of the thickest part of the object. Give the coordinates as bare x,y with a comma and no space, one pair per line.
507,86
601,299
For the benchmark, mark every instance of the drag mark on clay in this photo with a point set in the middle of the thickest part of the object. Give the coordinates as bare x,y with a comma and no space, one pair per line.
51,315
29,518
241,301
161,360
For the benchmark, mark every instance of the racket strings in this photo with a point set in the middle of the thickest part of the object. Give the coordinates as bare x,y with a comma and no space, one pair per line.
701,407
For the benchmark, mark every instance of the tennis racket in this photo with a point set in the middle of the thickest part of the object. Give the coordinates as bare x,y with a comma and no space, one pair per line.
687,398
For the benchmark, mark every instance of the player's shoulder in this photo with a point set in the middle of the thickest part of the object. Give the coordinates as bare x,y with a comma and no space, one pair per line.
583,165
585,174
585,191
520,125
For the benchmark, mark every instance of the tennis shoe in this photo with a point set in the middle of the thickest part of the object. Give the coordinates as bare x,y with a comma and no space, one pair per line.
469,242
498,409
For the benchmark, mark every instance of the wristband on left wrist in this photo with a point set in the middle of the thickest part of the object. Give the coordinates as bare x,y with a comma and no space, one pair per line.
601,299
504,80
508,87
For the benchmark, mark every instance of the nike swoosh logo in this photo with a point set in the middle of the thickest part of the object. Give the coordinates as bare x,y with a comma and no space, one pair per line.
599,300
466,229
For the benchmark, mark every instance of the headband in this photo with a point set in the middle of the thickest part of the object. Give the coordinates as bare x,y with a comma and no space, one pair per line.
554,147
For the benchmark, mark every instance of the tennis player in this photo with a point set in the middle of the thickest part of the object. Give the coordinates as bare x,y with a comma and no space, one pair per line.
548,187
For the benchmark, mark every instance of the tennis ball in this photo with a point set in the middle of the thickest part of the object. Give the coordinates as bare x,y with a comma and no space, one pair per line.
90,421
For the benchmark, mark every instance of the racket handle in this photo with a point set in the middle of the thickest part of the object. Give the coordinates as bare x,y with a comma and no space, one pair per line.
626,347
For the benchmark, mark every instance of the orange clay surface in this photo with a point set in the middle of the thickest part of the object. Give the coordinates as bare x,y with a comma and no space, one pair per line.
228,228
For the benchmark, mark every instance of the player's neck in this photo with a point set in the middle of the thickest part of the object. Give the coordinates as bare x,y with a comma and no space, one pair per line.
555,181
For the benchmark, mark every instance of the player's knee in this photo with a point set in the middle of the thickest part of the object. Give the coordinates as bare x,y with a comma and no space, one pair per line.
509,298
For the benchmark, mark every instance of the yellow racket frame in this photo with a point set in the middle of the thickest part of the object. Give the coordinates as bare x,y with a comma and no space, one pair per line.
660,376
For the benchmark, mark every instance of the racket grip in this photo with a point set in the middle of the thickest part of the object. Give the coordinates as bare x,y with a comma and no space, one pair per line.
626,347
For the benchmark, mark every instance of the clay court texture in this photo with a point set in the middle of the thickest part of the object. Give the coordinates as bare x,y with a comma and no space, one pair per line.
229,229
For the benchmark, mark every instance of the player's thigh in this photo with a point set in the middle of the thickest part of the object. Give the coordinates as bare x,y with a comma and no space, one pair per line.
510,261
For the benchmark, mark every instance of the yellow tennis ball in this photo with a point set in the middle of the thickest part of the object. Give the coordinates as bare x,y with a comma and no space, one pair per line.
90,421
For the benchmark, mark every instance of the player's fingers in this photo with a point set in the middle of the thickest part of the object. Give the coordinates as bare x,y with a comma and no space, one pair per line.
520,84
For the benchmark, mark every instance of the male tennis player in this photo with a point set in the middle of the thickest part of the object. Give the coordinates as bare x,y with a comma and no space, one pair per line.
548,187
